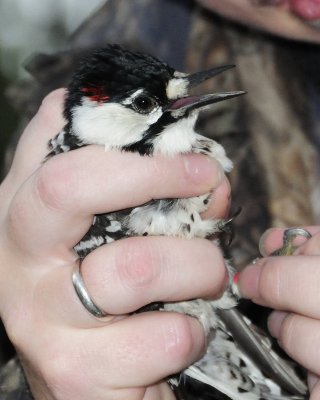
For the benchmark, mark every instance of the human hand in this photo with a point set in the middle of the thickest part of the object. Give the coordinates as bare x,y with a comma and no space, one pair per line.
293,19
46,208
290,286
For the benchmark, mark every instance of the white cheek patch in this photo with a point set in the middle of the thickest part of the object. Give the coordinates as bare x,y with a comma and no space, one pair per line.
177,138
177,87
110,124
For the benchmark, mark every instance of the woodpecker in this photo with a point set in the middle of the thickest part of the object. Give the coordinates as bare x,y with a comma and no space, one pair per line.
131,101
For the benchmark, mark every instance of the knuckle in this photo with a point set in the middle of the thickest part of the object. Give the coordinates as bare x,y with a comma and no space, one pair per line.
51,101
136,264
55,183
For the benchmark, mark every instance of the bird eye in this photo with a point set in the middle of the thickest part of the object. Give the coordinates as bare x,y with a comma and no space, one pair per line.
144,104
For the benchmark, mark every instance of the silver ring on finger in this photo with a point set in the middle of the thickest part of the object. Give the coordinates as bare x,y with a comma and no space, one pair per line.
83,294
292,233
289,235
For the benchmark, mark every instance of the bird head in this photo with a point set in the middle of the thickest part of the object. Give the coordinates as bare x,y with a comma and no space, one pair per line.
133,101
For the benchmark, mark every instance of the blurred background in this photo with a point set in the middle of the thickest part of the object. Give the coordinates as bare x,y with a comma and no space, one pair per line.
28,27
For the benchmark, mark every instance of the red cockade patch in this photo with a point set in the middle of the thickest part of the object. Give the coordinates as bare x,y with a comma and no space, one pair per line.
95,94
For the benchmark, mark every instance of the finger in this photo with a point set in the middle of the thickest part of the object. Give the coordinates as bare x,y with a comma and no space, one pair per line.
114,360
272,239
273,282
126,275
142,349
299,337
32,147
70,188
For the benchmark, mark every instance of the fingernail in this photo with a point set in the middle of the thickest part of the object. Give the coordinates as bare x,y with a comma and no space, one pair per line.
248,281
203,170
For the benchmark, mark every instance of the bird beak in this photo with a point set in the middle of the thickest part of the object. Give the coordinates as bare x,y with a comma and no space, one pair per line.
189,103
186,104
199,77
